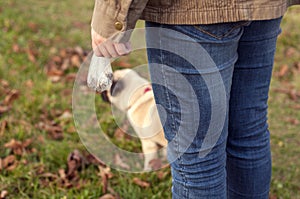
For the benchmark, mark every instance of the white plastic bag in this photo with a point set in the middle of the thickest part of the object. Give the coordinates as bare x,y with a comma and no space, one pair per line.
100,74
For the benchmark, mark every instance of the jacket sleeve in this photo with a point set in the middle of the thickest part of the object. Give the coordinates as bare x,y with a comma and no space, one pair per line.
113,18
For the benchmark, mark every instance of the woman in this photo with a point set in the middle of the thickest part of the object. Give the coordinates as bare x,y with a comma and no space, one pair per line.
210,64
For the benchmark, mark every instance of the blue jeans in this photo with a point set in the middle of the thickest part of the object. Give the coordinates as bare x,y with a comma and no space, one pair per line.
211,85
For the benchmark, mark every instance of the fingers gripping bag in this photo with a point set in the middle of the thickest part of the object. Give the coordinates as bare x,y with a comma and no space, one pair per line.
100,74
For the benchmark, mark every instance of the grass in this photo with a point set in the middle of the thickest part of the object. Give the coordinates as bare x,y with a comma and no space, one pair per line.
33,32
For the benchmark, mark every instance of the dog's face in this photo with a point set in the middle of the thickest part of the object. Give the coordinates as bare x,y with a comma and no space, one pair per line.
124,89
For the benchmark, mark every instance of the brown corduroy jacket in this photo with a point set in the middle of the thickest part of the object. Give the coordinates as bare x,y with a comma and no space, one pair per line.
111,18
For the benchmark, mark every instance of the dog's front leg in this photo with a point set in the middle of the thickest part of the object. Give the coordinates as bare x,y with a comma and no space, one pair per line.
150,150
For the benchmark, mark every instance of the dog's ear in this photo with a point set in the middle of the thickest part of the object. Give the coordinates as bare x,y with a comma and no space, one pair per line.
116,87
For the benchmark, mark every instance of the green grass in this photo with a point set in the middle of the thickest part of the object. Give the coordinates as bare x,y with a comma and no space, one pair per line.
43,28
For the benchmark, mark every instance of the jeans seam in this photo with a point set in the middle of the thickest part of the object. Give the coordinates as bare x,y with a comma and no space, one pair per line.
230,189
172,116
224,35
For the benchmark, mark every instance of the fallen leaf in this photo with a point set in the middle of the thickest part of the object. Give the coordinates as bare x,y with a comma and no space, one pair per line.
29,83
118,161
155,164
283,70
31,55
160,175
4,194
15,146
4,109
3,125
290,52
292,93
54,130
63,53
297,106
71,129
94,160
27,142
32,26
104,179
16,48
9,163
75,162
65,65
78,50
119,134
62,174
18,147
272,196
49,175
4,83
11,96
75,60
141,183
66,115
293,121
108,196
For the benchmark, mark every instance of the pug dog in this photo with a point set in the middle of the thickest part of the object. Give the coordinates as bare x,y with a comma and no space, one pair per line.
133,95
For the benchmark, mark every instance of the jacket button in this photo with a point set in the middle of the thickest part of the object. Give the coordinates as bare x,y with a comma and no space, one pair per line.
118,25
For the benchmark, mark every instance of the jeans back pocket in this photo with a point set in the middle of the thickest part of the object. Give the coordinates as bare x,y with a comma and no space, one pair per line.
220,31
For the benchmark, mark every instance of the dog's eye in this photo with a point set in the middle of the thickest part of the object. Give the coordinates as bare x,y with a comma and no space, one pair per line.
116,87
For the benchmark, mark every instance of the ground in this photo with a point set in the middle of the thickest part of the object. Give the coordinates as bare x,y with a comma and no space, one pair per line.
42,45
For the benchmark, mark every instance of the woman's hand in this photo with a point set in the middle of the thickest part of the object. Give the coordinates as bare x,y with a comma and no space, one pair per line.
106,48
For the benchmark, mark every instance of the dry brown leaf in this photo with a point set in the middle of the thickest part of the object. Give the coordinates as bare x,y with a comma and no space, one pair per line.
3,125
54,72
57,59
75,161
18,147
94,160
160,175
32,26
29,83
75,60
104,179
27,142
71,129
11,96
283,70
49,175
4,83
297,106
65,115
16,48
293,121
141,183
119,134
108,196
31,55
63,53
78,50
272,196
290,52
54,131
118,161
4,194
297,65
8,163
71,77
65,65
155,164
15,146
62,174
4,109
292,93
